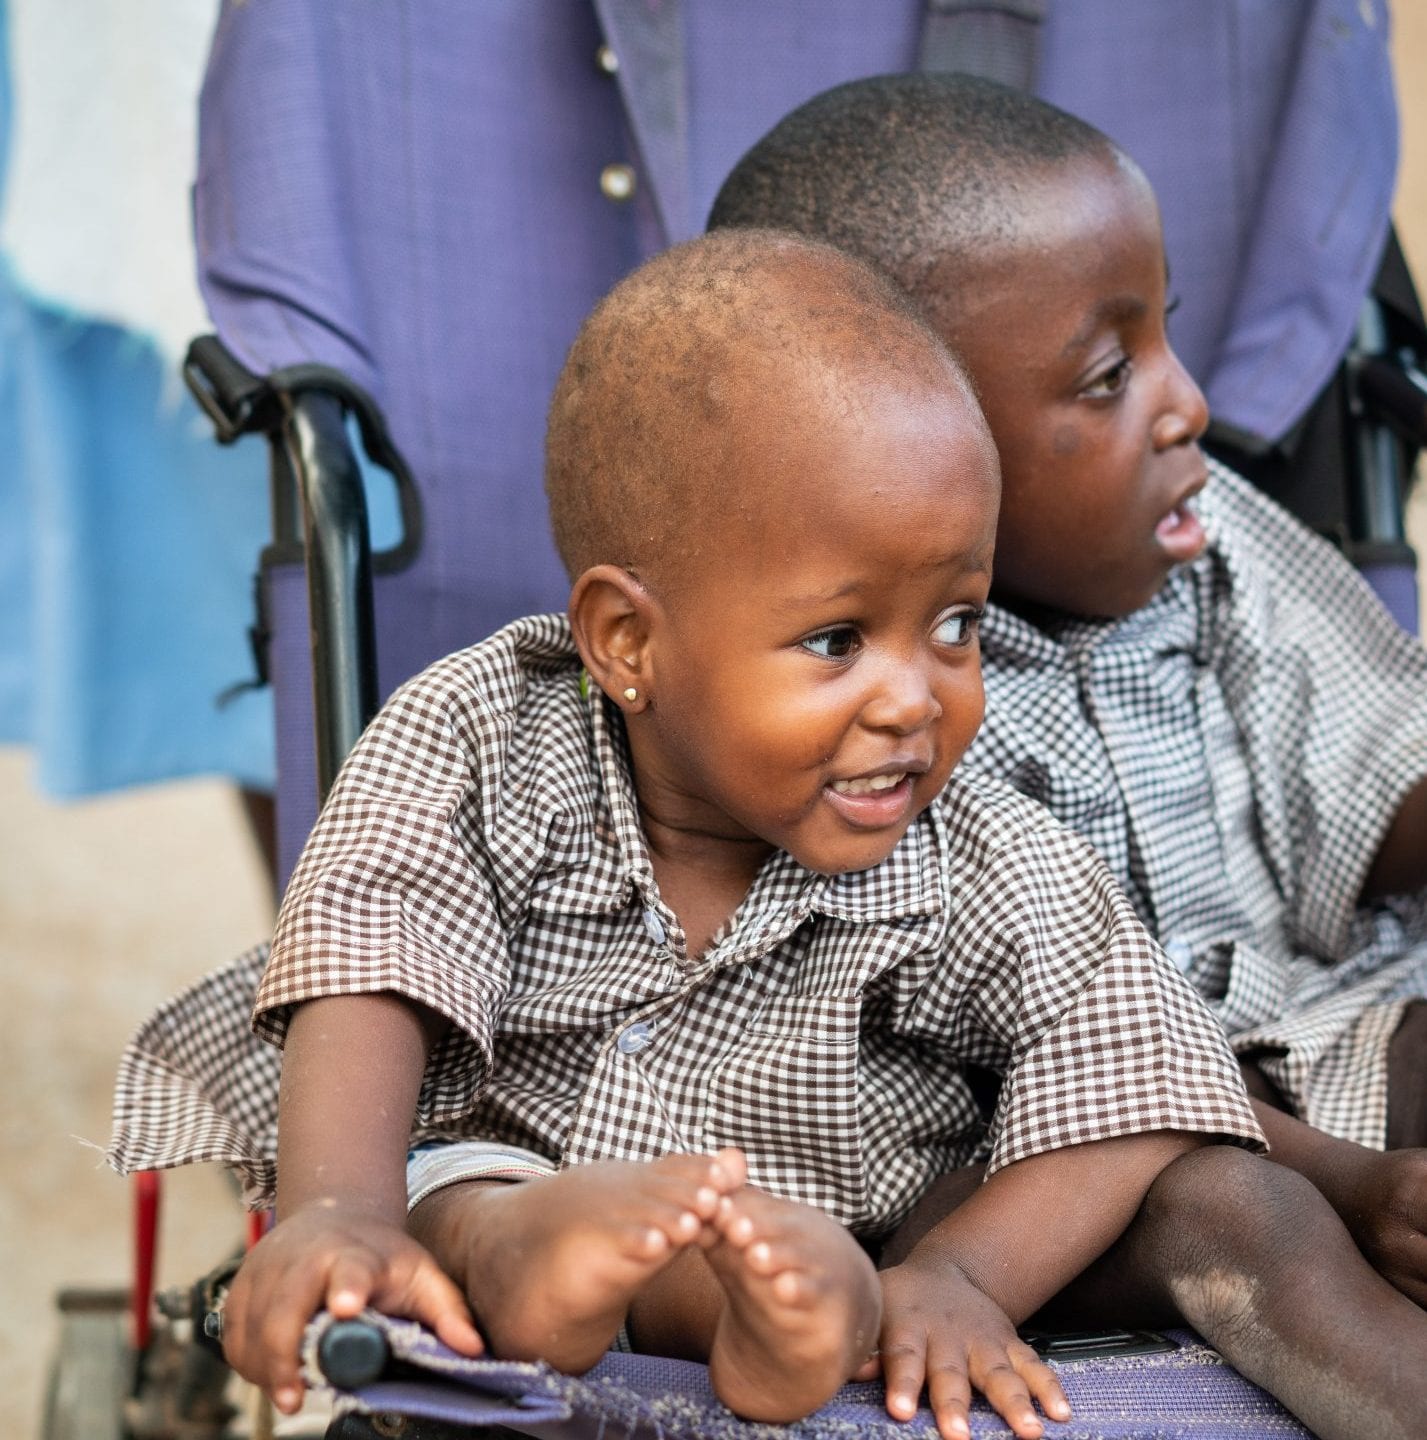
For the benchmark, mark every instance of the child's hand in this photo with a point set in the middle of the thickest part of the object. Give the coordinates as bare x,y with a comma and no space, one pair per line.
344,1259
1387,1214
940,1331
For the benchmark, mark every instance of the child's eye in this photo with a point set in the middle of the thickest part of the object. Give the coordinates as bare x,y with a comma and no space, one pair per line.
1171,306
958,628
835,643
1111,382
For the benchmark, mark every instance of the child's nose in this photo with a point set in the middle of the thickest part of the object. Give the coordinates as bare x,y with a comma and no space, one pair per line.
1185,413
903,702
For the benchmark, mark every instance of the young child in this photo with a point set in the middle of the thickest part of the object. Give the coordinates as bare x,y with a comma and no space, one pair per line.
715,934
1176,667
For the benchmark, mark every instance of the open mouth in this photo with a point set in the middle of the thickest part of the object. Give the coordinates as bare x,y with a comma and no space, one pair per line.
869,784
872,802
1181,534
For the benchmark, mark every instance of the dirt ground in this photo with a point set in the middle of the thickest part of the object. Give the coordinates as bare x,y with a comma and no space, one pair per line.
108,906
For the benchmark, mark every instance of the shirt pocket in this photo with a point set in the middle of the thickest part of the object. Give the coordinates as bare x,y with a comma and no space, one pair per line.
786,1094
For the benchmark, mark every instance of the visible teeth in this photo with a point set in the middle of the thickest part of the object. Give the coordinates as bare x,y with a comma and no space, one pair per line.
871,783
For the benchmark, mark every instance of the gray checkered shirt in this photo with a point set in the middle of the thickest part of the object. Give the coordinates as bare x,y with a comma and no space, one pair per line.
481,853
1236,751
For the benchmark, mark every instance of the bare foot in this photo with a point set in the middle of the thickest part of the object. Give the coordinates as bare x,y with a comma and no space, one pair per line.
550,1265
803,1312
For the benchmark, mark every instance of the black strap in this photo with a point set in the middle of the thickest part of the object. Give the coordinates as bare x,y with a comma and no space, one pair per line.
995,39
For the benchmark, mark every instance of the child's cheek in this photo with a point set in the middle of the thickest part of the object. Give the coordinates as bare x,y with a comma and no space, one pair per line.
1065,441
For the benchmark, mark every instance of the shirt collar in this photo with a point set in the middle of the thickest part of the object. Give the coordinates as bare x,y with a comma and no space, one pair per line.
1179,617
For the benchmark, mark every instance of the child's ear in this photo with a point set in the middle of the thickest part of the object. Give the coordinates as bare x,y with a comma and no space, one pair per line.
612,616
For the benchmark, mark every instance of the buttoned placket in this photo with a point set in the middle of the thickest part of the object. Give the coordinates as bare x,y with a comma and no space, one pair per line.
618,180
635,1041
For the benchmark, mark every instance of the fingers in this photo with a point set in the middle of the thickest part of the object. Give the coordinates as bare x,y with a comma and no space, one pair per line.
1012,1379
949,1392
276,1294
350,1280
266,1311
434,1299
903,1374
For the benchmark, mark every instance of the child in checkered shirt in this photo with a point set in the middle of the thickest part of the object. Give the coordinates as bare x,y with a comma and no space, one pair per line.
692,956
1174,666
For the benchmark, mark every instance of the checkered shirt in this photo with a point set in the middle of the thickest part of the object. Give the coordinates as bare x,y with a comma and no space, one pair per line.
481,853
1236,751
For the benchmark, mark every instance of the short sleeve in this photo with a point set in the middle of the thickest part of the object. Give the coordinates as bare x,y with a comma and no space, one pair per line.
1331,698
390,893
1097,1033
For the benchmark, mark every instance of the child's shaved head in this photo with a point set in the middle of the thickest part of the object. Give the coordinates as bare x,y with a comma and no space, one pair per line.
659,394
920,174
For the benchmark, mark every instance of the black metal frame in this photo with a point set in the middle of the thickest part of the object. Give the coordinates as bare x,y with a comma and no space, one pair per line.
319,511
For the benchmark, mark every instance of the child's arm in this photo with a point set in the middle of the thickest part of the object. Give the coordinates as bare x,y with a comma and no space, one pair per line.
352,1068
1381,1196
1400,865
951,1307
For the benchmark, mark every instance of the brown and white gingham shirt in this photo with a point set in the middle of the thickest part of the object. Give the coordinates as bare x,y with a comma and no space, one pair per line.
481,853
1236,751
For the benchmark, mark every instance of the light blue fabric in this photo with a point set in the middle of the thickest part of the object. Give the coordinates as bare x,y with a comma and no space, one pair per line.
127,539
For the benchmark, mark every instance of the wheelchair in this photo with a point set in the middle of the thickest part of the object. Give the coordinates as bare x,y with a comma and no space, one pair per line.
343,618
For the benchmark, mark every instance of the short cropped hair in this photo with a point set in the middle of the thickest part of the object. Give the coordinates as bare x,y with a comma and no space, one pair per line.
681,357
911,172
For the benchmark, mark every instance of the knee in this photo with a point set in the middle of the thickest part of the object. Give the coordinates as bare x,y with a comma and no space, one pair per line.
1230,1227
1224,1199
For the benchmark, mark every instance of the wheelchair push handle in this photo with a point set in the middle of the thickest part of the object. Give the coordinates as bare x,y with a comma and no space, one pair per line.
352,1353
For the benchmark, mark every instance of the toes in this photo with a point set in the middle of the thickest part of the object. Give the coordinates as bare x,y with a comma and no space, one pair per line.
657,1232
790,1288
729,1171
697,1182
651,1244
735,1224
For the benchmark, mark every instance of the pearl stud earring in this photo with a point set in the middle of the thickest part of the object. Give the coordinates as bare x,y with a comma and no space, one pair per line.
631,693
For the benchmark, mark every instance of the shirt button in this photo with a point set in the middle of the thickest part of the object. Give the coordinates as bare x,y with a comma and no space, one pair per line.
1180,951
607,61
654,927
633,1038
617,182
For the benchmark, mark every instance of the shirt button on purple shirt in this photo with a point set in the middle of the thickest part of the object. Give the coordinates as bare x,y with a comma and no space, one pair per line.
618,182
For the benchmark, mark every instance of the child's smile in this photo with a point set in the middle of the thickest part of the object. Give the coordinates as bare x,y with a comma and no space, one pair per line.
812,686
873,801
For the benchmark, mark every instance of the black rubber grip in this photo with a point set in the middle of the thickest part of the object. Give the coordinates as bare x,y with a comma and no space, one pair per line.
352,1353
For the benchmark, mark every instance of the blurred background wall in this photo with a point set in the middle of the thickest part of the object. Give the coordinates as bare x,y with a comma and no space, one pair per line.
108,905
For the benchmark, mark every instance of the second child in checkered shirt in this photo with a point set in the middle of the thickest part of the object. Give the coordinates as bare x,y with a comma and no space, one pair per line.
725,894
1174,666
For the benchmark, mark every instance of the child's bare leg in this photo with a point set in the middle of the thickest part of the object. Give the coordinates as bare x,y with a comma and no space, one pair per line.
1253,1257
550,1266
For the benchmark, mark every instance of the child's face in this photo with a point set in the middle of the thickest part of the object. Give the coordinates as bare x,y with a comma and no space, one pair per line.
813,686
1095,419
